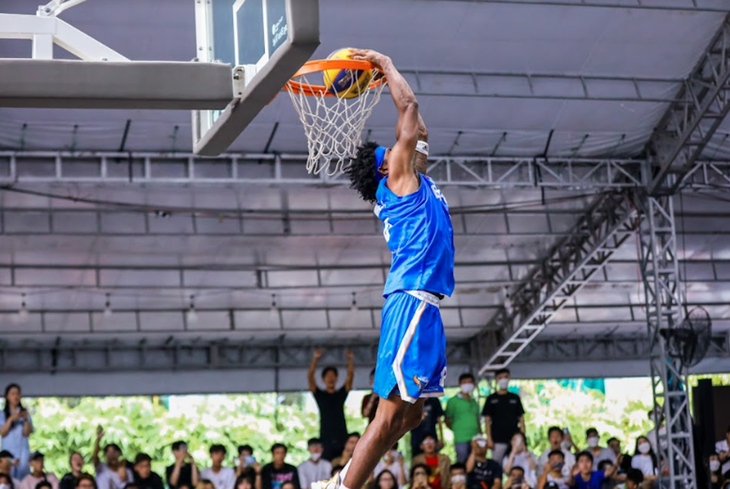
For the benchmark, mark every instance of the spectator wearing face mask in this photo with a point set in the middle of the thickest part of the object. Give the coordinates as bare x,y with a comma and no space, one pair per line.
556,437
393,462
644,459
722,448
439,464
657,436
503,416
6,465
462,417
598,452
519,456
482,473
6,482
716,478
555,473
458,476
37,474
315,468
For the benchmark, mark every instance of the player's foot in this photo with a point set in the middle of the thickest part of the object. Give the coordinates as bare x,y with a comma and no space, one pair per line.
333,483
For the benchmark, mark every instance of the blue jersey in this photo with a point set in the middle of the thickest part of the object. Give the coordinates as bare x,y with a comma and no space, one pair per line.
418,230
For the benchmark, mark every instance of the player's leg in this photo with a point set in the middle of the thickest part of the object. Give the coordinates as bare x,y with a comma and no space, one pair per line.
411,365
393,419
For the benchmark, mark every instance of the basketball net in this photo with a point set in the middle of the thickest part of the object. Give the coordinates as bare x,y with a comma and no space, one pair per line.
332,123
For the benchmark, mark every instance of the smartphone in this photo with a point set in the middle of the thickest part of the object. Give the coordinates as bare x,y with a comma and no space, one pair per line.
249,460
566,431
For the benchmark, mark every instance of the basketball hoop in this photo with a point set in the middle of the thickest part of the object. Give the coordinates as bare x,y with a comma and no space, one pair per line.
333,122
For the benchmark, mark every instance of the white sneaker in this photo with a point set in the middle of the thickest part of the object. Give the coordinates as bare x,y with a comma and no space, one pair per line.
333,483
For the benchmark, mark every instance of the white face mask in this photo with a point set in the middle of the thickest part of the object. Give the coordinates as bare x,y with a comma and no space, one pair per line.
467,388
482,443
315,456
714,466
460,479
503,383
593,441
565,445
644,448
4,486
394,454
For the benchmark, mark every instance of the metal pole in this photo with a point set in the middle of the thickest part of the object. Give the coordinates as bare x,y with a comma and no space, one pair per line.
660,272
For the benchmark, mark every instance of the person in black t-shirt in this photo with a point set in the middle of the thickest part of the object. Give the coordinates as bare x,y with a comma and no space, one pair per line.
70,480
433,415
481,472
504,416
331,403
183,472
278,472
143,475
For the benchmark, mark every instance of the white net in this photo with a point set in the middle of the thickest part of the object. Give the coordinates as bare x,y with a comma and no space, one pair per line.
333,124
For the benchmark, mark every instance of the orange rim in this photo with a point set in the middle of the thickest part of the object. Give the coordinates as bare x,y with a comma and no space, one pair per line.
324,65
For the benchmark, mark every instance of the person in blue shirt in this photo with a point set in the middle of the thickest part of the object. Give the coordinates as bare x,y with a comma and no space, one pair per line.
583,475
411,364
15,428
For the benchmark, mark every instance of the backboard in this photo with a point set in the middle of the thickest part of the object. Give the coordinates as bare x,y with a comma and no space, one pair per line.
265,42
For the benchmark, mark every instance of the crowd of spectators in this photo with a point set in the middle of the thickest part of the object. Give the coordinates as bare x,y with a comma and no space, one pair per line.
491,449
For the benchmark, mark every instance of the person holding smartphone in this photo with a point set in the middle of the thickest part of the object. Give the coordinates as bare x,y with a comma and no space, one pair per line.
516,479
15,428
183,472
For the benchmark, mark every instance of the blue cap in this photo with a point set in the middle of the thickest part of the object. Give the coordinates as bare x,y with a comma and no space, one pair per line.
379,157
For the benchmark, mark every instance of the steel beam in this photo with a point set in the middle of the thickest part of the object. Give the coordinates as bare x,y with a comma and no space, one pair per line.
32,167
64,356
569,265
661,5
543,86
690,123
660,270
605,349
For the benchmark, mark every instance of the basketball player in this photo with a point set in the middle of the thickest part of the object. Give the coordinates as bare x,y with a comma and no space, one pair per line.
417,227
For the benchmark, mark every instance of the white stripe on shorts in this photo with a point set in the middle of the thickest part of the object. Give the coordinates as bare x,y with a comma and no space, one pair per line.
404,344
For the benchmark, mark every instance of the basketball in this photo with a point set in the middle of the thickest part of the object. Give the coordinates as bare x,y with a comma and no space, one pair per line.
346,83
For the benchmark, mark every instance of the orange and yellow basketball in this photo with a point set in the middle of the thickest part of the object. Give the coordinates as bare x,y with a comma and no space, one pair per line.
346,83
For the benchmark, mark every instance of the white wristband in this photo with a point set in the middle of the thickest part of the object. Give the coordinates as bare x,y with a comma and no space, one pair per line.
422,147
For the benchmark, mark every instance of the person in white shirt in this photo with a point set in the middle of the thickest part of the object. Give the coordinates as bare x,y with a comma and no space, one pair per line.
221,477
114,474
519,456
556,437
599,453
722,448
644,459
315,468
394,462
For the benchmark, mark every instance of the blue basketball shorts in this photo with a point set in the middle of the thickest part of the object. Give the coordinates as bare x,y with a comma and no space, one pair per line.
412,350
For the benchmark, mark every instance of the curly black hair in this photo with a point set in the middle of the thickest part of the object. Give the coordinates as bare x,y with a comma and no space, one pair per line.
361,172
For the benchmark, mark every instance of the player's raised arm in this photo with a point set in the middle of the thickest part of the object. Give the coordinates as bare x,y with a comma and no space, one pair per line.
400,158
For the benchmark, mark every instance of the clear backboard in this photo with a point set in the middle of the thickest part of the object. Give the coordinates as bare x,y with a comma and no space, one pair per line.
265,42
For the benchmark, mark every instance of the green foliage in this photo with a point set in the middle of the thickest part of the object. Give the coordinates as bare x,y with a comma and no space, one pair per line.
145,424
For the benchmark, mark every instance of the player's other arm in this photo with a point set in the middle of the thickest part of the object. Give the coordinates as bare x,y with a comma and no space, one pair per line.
401,174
